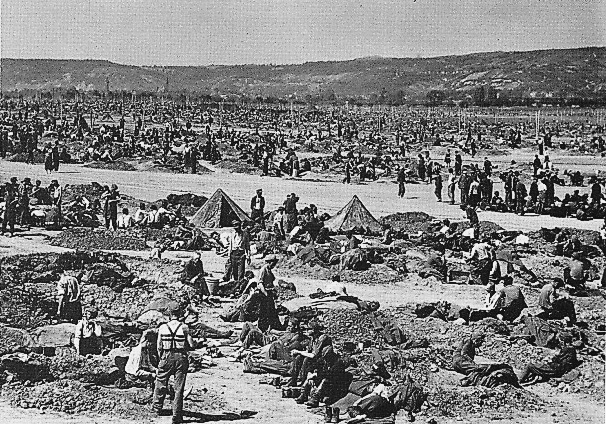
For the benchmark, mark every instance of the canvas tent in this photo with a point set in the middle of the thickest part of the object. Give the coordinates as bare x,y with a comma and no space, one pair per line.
219,211
353,216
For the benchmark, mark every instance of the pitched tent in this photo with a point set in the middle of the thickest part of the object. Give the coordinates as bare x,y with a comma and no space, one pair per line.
219,211
353,216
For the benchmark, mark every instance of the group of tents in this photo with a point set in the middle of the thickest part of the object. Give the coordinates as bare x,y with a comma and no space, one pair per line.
221,211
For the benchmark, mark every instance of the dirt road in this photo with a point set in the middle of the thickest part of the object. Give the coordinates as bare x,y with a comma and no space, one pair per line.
380,197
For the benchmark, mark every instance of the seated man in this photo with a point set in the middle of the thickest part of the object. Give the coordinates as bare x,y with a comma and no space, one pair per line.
277,345
508,301
497,203
304,360
562,362
330,381
125,220
463,357
555,303
574,275
142,361
193,275
141,216
435,264
87,335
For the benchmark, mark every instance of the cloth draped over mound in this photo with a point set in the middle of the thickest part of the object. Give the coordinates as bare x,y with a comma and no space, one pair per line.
492,375
219,211
353,216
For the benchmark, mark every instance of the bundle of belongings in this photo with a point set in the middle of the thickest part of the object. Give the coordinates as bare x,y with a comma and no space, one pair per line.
393,334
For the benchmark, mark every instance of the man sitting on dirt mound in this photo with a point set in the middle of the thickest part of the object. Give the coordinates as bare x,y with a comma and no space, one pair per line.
193,275
142,361
305,360
508,301
555,303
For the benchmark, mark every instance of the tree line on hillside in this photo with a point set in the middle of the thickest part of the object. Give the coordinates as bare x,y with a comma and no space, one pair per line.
480,95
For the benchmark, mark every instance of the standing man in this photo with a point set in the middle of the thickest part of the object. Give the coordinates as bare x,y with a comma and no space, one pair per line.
347,178
55,156
193,158
438,185
24,196
174,341
487,167
238,246
257,208
453,180
10,209
536,165
279,223
521,194
268,316
401,181
110,212
68,298
290,209
458,163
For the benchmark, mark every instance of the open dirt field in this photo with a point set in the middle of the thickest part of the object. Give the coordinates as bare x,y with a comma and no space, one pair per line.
379,197
241,392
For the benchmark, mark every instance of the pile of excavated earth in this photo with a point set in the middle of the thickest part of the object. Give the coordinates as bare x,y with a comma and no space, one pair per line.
43,375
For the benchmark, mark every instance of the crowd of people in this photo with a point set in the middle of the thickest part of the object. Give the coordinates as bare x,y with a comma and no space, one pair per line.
317,371
537,195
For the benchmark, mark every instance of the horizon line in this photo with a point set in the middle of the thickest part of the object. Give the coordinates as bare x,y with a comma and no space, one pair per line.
372,57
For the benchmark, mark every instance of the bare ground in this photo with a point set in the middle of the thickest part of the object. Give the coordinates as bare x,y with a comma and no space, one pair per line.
242,391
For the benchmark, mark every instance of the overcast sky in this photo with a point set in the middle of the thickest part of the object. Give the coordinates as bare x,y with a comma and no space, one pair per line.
202,32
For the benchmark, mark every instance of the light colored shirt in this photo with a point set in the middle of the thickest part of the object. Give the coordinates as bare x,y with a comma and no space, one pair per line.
140,215
257,204
138,360
481,251
237,241
125,221
69,288
86,329
474,188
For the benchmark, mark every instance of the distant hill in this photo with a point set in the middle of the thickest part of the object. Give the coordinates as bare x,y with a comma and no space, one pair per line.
537,74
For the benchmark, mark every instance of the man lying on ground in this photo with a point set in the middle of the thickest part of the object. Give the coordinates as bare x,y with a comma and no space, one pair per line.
562,362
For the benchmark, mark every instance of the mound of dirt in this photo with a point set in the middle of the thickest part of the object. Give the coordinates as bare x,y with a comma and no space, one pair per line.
117,165
548,235
187,199
28,285
74,384
100,239
22,157
498,403
12,339
90,191
486,227
189,202
409,222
